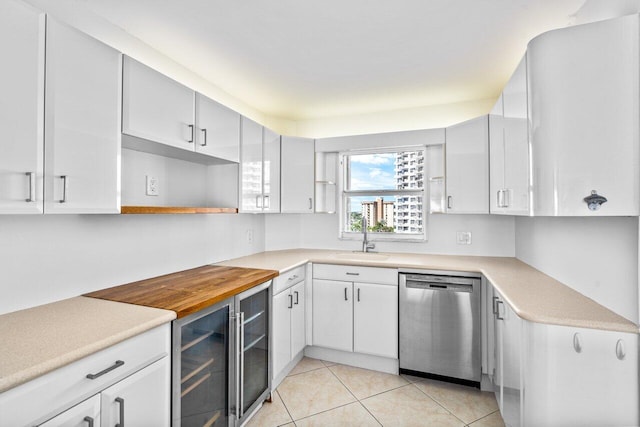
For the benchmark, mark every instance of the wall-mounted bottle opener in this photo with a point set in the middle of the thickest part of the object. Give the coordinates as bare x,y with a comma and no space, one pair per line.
594,201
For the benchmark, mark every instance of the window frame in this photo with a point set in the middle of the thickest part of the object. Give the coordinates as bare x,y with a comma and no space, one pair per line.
344,194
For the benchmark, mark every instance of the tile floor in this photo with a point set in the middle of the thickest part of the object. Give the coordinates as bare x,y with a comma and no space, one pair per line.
322,394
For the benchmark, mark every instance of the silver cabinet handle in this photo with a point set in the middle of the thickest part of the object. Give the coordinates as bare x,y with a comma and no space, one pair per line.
64,189
294,277
192,129
449,206
500,201
204,138
89,420
495,308
500,303
106,371
290,301
310,203
621,351
296,294
267,202
238,361
346,298
506,197
32,186
358,294
121,402
352,274
577,342
241,377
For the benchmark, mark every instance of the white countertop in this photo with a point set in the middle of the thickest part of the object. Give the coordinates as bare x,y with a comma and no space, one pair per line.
44,338
533,295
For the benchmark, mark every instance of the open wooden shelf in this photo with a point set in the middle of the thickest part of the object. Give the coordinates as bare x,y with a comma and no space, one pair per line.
174,210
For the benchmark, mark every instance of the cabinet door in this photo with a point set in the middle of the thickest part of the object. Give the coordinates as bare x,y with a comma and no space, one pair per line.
585,126
84,414
141,399
496,158
21,107
332,314
298,337
251,166
511,364
516,142
155,107
375,319
271,165
297,175
218,132
82,123
467,166
282,307
579,377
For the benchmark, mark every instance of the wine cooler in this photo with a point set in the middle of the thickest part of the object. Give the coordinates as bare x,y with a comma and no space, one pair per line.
221,361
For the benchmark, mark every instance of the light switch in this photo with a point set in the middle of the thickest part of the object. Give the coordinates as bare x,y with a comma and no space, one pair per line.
463,237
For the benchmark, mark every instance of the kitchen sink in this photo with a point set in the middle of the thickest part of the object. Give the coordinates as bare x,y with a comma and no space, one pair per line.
362,256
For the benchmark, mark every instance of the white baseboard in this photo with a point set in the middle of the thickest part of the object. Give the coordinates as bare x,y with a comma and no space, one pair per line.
275,382
359,360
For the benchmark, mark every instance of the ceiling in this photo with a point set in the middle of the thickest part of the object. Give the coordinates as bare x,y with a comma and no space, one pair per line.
300,60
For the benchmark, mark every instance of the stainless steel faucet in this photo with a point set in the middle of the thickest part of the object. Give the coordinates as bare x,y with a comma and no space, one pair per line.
366,245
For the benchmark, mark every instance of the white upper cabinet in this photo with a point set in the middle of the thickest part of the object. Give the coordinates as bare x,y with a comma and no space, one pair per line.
22,44
584,121
260,168
297,175
271,168
509,148
251,167
156,107
82,123
467,166
218,130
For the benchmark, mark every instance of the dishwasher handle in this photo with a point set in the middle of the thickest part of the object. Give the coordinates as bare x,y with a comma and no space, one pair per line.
451,287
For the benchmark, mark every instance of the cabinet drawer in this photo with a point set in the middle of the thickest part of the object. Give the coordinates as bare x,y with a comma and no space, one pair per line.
385,276
45,396
288,279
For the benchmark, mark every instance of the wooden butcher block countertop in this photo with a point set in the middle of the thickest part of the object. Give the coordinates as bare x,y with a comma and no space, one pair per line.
187,291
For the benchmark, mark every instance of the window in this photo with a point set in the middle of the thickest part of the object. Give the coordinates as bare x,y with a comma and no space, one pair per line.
381,187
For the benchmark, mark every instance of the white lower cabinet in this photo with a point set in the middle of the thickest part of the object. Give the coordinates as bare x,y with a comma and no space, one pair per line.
141,399
375,319
289,322
288,326
360,317
128,383
561,376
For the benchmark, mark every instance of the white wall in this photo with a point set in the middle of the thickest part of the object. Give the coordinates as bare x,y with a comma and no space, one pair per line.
598,257
45,258
492,235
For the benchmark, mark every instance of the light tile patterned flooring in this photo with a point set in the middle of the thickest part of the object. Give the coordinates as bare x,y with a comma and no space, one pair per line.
323,394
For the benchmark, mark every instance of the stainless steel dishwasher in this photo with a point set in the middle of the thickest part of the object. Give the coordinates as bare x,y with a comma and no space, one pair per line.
440,326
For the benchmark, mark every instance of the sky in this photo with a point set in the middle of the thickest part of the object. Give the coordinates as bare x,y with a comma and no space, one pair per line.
371,171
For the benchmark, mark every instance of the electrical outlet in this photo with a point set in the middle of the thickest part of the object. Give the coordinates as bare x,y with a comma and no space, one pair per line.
250,236
152,186
463,237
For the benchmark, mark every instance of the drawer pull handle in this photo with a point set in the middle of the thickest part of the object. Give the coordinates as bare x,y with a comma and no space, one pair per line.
121,402
105,371
294,277
89,421
352,274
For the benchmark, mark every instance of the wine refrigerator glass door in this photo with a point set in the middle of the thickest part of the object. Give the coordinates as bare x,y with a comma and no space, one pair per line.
202,345
253,310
